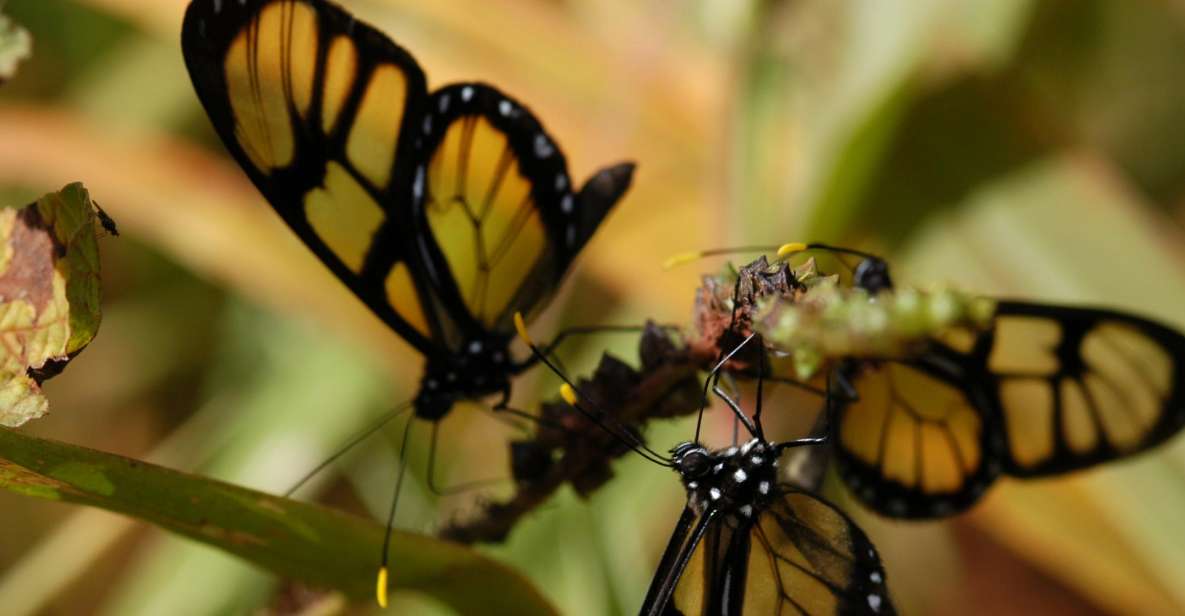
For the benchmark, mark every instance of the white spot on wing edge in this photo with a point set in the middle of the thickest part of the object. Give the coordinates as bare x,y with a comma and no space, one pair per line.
543,147
874,602
467,93
505,107
417,187
567,204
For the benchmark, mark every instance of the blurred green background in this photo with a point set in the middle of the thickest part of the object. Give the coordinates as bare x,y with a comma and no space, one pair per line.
1023,148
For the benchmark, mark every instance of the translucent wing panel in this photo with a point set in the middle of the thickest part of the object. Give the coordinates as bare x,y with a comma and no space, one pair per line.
504,216
316,108
913,444
1078,386
269,69
807,557
480,209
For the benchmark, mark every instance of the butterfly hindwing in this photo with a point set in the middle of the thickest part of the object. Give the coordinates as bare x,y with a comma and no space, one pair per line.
914,441
316,108
497,197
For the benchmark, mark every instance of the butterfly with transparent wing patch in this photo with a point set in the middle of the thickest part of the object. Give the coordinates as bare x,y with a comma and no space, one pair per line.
444,212
748,542
1043,390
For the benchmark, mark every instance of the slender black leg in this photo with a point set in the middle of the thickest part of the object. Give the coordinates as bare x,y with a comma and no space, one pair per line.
358,438
395,498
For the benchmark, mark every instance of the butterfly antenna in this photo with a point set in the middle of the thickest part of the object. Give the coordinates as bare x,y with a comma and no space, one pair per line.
568,391
714,373
684,258
793,248
357,438
381,582
782,252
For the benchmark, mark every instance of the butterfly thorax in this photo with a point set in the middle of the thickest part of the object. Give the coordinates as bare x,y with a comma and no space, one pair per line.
737,482
480,370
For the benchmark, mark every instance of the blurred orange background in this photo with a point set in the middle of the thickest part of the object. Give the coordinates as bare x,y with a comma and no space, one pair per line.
1027,148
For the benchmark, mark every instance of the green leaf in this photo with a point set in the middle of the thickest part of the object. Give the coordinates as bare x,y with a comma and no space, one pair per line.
15,46
316,545
49,295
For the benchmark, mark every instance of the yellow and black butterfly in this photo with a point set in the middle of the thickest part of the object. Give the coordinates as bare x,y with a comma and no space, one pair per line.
445,212
748,542
1044,389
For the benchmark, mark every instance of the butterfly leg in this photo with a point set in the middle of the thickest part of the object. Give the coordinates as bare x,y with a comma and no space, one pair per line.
350,444
382,578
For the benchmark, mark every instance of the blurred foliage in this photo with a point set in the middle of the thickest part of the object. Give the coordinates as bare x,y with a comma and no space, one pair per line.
316,545
15,46
1026,148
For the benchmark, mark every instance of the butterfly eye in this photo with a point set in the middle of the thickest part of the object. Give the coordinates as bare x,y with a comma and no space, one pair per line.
694,463
872,274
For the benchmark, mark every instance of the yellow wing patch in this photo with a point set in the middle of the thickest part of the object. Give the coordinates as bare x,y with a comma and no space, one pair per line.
269,70
403,297
341,67
481,212
1028,411
1025,344
344,216
918,430
375,133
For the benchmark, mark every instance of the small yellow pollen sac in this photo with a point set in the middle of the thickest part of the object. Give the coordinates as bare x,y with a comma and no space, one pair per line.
521,327
568,394
380,588
680,259
786,250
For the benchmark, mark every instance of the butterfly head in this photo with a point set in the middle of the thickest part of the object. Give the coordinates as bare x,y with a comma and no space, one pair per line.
482,369
872,275
736,481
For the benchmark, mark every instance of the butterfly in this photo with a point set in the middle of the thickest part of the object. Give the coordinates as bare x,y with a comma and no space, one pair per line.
1042,390
445,212
748,542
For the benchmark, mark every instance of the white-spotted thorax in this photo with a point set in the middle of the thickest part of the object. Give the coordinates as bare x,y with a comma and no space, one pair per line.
736,482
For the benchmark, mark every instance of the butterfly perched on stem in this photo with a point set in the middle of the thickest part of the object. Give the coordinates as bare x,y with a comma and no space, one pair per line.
445,212
748,542
1036,390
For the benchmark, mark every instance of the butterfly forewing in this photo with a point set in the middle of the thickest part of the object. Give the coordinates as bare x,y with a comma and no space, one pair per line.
1079,386
809,558
1044,390
316,107
802,556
